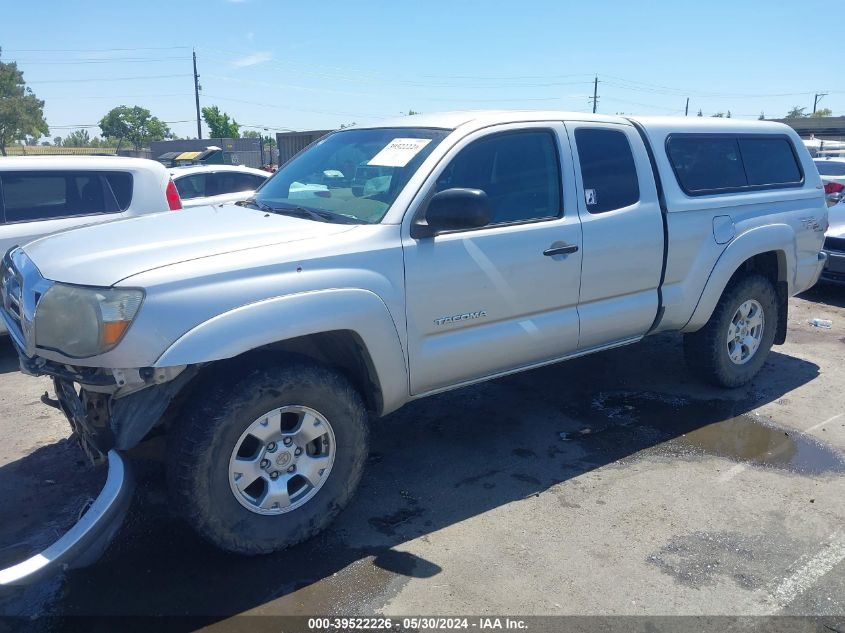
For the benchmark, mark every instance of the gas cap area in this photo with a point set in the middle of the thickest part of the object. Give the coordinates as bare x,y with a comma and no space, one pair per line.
723,229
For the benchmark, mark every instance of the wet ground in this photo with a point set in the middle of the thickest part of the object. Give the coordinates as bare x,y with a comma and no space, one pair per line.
613,484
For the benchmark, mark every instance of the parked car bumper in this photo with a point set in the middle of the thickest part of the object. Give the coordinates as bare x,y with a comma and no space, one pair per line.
834,268
86,541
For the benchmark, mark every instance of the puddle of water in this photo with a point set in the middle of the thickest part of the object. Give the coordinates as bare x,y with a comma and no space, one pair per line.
710,427
746,439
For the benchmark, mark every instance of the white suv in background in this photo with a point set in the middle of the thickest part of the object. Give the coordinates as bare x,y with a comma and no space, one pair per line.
40,195
45,194
216,184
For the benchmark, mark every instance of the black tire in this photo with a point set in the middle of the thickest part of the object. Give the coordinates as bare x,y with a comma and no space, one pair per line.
201,442
706,350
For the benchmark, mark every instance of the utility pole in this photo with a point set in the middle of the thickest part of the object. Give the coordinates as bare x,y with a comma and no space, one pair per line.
818,98
197,95
595,97
686,109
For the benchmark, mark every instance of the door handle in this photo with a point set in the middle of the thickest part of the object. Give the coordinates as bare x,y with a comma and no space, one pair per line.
566,249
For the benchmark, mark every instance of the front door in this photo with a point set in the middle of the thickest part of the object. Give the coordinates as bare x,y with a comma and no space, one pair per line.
490,300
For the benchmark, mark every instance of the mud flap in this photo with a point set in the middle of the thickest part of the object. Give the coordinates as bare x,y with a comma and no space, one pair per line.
86,541
783,310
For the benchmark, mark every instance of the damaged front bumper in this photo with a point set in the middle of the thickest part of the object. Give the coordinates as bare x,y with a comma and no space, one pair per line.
105,426
86,541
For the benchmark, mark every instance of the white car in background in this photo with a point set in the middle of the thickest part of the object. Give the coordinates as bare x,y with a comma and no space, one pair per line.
40,195
216,184
832,171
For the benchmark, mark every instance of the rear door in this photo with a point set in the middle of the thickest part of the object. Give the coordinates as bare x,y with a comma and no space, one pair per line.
622,231
37,203
486,301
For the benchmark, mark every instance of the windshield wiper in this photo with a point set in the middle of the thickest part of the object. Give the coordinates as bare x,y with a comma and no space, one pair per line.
318,215
252,202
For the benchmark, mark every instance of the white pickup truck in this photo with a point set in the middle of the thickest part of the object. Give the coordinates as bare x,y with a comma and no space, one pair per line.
261,337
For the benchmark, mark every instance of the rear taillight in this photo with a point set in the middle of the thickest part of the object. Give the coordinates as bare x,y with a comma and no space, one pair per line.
833,187
173,199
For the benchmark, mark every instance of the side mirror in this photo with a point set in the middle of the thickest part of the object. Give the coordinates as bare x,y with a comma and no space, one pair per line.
453,210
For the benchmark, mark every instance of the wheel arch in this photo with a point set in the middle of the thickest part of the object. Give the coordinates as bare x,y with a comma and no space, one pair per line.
768,251
351,331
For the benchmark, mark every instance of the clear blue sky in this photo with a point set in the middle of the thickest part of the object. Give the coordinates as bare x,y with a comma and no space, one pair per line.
307,65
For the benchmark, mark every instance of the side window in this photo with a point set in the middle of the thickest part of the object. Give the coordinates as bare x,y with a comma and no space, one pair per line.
257,181
239,182
519,171
121,184
769,161
607,169
706,164
193,186
31,196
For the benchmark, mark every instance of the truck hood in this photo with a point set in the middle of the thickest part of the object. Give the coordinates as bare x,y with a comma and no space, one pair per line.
103,254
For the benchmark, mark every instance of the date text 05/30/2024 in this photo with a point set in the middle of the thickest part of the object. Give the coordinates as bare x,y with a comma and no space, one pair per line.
417,623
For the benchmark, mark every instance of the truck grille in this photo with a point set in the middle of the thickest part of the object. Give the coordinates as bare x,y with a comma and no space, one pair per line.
11,292
21,287
834,244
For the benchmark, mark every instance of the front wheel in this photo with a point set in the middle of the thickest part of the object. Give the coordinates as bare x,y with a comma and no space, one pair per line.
732,347
268,461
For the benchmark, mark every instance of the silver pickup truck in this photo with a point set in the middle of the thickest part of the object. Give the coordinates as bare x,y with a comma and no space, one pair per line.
260,337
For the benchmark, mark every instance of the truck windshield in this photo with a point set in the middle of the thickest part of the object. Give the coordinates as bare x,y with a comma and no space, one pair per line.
352,173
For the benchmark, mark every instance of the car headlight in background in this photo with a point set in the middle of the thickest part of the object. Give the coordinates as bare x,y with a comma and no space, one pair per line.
80,322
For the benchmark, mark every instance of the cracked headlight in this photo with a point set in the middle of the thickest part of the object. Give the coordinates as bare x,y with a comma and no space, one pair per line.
80,322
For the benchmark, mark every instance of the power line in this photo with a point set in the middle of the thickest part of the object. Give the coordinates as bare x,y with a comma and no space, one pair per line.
92,50
98,79
644,105
141,96
116,60
374,95
70,127
278,106
348,76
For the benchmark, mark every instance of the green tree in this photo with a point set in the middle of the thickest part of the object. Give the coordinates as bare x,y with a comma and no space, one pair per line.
818,114
21,112
719,115
78,138
219,125
796,113
136,125
57,141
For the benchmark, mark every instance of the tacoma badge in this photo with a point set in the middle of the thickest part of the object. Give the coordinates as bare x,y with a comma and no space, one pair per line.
466,316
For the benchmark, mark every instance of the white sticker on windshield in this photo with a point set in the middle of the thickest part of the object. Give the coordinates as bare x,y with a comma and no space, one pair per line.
399,152
590,195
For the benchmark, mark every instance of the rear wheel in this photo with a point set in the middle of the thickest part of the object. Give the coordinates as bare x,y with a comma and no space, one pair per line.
732,347
268,461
